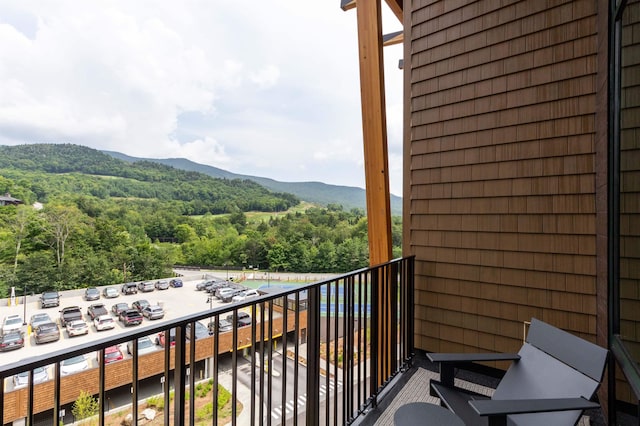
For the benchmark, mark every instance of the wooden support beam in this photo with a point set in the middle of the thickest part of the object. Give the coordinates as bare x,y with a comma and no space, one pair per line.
393,38
374,130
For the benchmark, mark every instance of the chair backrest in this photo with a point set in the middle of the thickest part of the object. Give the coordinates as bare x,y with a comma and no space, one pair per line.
553,364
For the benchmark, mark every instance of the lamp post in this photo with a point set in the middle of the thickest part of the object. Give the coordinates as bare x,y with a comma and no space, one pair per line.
24,302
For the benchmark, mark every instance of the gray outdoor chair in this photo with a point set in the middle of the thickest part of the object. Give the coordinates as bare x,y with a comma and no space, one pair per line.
550,382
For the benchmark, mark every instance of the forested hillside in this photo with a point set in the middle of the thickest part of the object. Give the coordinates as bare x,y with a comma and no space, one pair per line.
46,170
315,192
129,222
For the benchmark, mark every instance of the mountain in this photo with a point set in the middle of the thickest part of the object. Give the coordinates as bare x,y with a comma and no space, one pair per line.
38,172
315,192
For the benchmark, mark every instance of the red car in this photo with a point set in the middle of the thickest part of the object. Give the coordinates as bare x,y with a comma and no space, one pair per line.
161,340
112,354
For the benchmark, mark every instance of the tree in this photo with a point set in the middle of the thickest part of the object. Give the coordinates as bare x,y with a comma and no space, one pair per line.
23,217
61,222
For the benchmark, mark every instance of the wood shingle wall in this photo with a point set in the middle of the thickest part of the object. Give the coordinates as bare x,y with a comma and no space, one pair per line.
502,169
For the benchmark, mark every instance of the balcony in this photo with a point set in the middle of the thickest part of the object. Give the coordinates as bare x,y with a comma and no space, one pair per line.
322,353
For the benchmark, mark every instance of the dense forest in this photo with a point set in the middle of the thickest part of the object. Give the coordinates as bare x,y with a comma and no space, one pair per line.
104,222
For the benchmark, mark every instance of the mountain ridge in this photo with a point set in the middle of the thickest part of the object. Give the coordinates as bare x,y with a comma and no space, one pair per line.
312,191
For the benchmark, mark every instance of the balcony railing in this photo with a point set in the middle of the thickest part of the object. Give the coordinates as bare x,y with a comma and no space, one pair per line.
314,354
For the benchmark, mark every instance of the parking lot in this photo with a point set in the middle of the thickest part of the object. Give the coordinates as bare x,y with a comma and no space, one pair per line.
176,302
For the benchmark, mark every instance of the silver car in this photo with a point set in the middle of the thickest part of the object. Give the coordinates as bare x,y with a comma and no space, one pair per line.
153,312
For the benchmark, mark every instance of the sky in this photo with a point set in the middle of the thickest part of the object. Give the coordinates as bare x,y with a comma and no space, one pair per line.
260,87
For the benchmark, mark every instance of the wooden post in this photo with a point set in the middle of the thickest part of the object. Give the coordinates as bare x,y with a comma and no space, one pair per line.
374,130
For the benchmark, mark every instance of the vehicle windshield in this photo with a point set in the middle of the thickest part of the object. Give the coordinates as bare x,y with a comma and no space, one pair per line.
75,360
11,321
145,343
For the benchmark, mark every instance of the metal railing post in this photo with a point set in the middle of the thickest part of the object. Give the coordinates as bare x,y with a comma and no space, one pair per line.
313,357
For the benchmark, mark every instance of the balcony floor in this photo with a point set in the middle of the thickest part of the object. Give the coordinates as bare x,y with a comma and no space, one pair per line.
413,386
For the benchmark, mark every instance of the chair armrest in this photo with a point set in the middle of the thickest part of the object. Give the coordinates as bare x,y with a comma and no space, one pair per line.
448,362
497,410
466,357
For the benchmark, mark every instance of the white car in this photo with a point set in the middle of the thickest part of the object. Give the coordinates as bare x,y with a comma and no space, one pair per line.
245,295
104,322
77,328
12,323
22,379
73,365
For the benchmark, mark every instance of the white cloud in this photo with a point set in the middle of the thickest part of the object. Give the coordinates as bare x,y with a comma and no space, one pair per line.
274,92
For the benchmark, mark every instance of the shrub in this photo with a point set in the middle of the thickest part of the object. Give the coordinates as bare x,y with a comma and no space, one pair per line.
85,406
205,412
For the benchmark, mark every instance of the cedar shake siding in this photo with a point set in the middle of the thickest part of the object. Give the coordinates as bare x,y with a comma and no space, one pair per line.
502,210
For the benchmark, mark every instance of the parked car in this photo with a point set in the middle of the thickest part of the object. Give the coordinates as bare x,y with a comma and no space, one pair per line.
129,288
247,294
162,338
103,322
21,380
203,285
153,312
175,282
145,346
145,286
225,289
140,304
12,323
70,313
201,330
77,328
162,285
49,299
91,293
226,294
96,310
73,365
130,317
11,340
110,292
39,318
119,307
222,327
243,319
46,332
112,354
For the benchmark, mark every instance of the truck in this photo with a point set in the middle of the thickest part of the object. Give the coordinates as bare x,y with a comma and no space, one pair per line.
96,309
70,313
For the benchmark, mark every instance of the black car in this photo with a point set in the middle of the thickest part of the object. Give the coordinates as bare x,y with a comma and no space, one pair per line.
243,319
91,293
119,307
130,317
10,341
201,331
129,288
139,305
49,299
204,285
